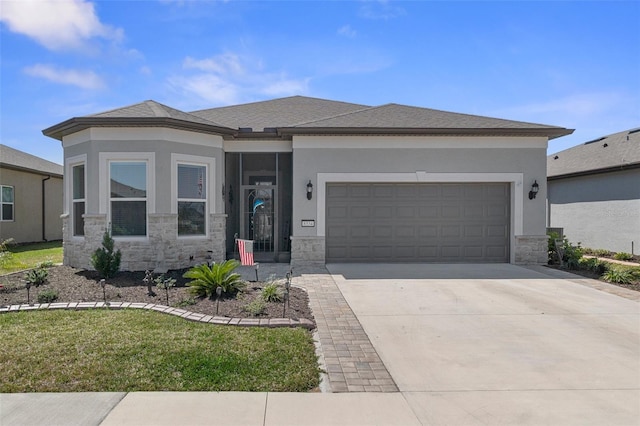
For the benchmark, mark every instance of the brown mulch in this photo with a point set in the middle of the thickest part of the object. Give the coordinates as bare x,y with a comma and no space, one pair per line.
588,274
77,285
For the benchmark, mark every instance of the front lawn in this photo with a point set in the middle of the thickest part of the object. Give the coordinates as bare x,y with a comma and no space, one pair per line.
26,256
131,350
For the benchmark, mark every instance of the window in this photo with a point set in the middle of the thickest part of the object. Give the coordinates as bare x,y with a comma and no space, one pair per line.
192,199
78,201
128,198
6,203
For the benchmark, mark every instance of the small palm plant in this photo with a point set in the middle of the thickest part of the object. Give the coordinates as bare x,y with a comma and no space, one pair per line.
205,279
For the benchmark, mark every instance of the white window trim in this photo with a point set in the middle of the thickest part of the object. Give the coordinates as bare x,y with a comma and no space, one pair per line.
105,159
13,203
210,201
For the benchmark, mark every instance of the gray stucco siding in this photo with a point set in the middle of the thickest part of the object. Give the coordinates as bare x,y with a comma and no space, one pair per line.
162,151
601,211
531,162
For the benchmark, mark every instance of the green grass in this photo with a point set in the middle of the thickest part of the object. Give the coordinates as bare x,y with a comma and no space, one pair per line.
131,350
30,255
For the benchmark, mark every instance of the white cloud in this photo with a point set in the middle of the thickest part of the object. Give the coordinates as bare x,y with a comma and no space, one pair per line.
227,63
209,87
82,79
380,9
286,87
57,25
347,31
230,78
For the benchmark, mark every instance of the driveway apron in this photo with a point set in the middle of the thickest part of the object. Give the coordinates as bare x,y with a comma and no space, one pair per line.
499,344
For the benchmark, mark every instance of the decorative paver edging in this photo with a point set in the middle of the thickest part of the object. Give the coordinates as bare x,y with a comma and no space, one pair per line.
190,316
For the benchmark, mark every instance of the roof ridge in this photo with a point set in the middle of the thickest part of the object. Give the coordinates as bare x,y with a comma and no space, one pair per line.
344,114
272,100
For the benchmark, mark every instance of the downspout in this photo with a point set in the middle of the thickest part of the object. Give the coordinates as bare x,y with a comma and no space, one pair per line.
44,235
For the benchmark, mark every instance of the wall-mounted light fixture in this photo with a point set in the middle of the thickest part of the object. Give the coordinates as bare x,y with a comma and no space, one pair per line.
534,190
309,190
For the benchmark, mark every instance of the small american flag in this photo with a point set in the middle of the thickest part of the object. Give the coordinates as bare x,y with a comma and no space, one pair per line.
245,247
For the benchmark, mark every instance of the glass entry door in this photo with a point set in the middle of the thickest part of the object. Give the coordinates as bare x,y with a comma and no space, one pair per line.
258,203
258,217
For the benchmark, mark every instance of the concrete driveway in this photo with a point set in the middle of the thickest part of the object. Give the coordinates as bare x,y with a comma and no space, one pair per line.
499,344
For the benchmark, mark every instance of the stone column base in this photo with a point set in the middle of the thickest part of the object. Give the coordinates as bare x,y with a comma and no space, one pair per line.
531,249
307,251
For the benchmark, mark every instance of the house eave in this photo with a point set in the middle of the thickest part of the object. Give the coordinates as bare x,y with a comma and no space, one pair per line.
78,124
550,133
29,170
611,169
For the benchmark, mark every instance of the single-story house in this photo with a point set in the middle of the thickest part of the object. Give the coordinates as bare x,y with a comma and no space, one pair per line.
594,192
308,180
30,198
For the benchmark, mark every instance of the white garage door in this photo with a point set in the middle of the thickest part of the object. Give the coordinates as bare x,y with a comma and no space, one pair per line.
417,222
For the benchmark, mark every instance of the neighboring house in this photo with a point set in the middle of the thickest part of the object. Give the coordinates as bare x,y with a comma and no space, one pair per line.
594,192
31,198
309,180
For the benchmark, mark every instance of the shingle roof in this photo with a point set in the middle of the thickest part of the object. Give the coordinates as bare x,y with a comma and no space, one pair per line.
403,116
150,109
283,112
10,157
285,117
618,150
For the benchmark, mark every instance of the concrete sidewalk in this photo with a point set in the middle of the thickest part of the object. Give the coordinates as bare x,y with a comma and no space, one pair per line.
205,408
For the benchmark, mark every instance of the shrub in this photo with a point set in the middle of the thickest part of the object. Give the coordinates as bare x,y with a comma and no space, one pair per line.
45,264
623,256
618,276
47,296
36,277
594,265
571,254
5,254
601,252
551,247
105,260
256,307
205,279
165,284
271,293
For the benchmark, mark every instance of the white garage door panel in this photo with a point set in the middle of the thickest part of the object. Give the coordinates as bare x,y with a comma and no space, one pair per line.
417,222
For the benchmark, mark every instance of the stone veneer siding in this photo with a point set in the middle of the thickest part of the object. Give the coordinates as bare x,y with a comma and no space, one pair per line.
531,249
307,251
161,251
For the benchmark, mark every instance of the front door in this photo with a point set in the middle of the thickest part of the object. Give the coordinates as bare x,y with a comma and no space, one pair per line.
258,203
258,218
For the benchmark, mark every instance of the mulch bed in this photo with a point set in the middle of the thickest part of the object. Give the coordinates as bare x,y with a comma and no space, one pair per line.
588,274
76,285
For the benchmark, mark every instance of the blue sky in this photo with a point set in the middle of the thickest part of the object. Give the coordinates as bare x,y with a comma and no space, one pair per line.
567,63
